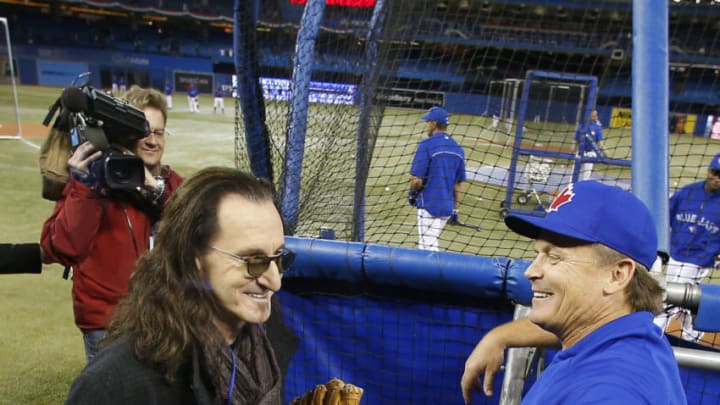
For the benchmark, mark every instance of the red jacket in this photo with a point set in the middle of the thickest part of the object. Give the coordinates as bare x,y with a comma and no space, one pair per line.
101,238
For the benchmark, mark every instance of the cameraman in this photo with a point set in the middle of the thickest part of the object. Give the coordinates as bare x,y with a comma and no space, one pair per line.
102,234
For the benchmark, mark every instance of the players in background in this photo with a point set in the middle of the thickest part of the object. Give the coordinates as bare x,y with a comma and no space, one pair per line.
495,118
114,88
168,94
122,83
219,102
101,234
193,329
436,175
694,240
193,102
593,294
589,143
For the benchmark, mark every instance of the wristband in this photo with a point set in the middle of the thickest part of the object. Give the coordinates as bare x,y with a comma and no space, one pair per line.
159,189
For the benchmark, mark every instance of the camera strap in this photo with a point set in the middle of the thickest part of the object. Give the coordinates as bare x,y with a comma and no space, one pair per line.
51,112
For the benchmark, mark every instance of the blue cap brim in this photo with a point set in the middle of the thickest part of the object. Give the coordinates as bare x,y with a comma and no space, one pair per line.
532,226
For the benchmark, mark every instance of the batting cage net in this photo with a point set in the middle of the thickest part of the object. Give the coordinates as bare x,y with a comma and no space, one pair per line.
370,77
539,95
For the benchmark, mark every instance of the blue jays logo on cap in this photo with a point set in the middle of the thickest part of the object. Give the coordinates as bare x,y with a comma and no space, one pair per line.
563,198
593,212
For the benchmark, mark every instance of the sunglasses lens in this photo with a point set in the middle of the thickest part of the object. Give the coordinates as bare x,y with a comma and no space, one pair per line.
287,259
259,265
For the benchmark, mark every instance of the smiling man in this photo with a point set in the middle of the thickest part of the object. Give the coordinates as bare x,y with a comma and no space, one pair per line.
101,233
594,296
191,330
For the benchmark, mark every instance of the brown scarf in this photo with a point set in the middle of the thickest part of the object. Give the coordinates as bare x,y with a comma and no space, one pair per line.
257,375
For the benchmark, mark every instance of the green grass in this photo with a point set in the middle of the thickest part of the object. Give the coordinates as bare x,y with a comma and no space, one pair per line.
41,350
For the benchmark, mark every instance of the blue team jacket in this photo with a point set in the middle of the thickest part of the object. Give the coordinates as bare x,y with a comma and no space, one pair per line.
440,162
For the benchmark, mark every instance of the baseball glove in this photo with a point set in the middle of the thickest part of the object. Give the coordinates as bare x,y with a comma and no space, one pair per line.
412,197
335,392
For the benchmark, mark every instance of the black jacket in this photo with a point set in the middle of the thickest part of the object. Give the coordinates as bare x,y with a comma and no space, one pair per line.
117,376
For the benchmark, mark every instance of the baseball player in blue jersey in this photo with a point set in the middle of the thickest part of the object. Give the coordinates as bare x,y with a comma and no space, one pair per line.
168,94
219,101
193,102
589,143
594,296
122,83
436,176
694,240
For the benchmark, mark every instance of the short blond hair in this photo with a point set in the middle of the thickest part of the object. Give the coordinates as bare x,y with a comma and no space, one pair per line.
141,98
644,292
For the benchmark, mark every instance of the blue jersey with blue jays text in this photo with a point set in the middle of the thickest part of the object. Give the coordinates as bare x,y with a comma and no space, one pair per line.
626,361
695,225
440,162
588,135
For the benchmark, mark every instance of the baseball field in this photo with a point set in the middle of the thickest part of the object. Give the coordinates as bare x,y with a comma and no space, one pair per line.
41,349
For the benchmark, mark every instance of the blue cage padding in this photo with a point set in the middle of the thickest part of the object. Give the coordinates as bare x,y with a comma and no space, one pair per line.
398,350
459,274
400,322
708,314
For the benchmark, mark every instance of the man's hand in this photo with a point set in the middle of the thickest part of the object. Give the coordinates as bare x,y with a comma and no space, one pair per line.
151,183
82,157
416,183
487,358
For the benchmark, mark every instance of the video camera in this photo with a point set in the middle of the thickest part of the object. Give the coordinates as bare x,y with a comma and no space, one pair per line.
107,123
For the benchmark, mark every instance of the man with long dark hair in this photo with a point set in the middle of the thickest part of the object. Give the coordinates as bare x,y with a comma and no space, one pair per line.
191,328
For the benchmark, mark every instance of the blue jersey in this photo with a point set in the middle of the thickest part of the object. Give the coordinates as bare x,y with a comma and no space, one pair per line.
193,91
695,225
168,89
219,92
588,136
440,162
626,361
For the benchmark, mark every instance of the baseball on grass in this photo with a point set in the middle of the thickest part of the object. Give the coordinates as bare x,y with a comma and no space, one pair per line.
387,188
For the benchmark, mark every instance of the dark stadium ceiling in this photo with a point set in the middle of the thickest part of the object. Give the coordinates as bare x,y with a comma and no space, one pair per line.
224,11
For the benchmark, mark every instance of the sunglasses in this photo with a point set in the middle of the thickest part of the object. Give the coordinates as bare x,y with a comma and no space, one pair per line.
257,265
156,132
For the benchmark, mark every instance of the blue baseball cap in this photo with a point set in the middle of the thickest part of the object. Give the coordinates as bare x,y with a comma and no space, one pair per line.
715,163
594,212
436,114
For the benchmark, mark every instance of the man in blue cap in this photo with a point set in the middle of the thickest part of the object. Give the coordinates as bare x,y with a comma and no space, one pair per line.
694,241
594,296
436,176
